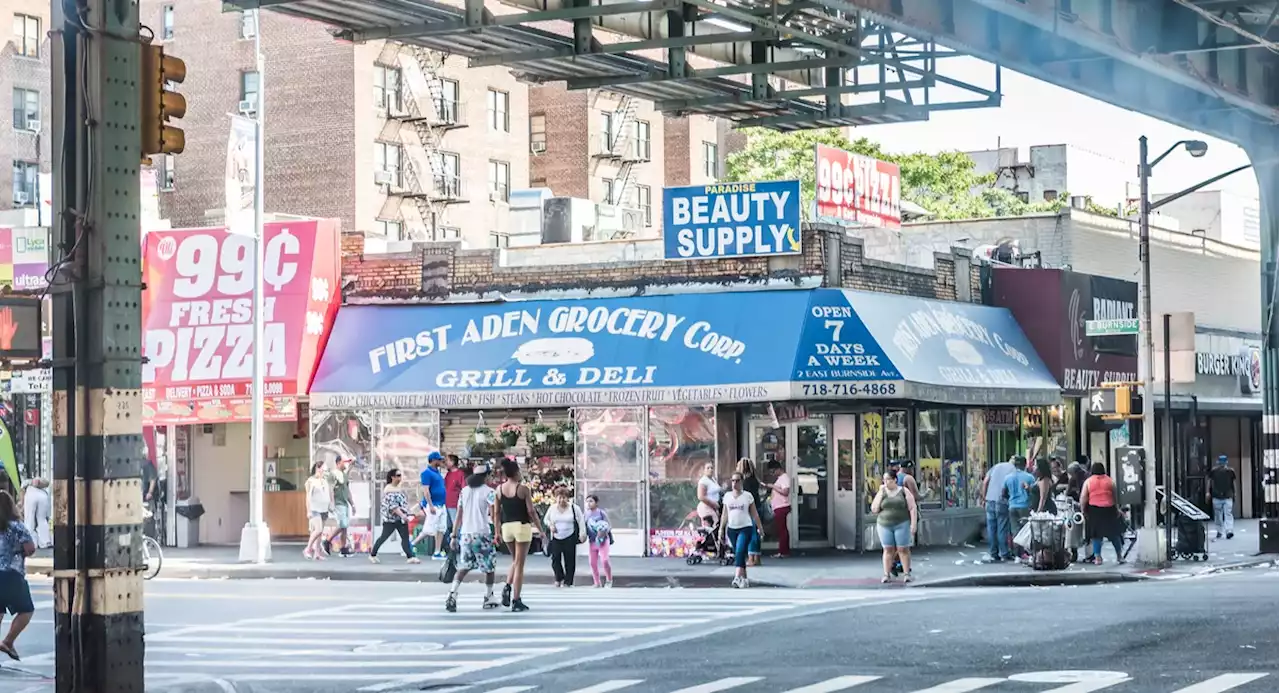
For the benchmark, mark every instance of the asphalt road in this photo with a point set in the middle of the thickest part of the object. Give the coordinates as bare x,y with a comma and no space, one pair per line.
296,636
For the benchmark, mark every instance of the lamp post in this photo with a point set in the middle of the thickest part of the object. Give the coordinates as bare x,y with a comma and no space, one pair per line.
1150,550
255,539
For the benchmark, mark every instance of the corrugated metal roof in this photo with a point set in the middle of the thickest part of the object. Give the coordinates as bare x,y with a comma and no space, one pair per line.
365,15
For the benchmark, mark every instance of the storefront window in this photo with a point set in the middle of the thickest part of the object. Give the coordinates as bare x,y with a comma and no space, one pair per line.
976,455
1059,425
403,441
1002,435
954,477
609,463
1035,441
929,458
873,438
896,443
682,441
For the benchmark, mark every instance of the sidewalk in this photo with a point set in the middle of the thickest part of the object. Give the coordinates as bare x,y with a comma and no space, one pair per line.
933,567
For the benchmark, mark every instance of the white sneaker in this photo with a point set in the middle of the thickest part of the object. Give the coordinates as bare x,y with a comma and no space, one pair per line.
737,583
492,602
608,584
745,583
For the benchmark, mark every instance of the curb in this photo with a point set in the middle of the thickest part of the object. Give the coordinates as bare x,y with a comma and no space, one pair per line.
1269,559
1033,579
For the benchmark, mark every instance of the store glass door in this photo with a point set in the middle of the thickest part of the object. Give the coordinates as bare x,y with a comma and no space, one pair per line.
803,449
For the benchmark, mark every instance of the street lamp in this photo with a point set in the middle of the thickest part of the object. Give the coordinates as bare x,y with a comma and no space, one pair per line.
1149,541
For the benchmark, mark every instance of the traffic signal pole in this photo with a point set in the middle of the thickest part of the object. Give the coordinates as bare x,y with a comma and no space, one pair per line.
97,349
1149,549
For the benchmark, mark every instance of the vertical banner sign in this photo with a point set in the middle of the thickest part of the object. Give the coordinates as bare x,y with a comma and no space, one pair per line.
241,177
30,259
856,190
731,220
197,313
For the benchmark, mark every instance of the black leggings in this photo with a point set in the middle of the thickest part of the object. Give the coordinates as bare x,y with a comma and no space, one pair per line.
389,528
564,558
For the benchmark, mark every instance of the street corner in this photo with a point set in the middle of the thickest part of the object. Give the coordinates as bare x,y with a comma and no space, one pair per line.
1034,578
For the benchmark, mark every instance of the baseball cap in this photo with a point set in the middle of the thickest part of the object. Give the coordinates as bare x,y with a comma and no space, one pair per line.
434,456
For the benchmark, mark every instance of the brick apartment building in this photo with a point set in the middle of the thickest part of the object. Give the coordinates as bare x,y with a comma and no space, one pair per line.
351,132
24,72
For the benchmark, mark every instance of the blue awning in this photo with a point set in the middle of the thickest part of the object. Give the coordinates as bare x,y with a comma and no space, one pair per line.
693,348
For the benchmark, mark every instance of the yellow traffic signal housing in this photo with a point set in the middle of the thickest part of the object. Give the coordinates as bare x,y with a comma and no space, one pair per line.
159,104
1125,401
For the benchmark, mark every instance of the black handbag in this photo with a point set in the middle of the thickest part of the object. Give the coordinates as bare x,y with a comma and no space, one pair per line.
449,570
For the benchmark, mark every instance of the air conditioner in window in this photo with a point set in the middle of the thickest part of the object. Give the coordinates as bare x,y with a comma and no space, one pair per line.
383,177
496,196
538,147
21,198
33,125
248,107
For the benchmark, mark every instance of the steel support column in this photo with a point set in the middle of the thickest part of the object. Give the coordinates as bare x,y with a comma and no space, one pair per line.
97,350
1265,168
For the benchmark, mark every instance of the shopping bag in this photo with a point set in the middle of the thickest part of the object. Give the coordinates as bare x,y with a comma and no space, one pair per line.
450,568
1023,537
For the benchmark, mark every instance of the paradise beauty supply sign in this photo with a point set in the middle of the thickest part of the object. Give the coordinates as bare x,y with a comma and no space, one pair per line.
731,220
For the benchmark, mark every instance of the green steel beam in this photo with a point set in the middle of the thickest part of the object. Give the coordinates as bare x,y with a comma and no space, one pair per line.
515,57
603,82
790,94
585,12
844,113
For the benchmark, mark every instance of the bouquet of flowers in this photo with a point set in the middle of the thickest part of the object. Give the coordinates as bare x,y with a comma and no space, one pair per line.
510,434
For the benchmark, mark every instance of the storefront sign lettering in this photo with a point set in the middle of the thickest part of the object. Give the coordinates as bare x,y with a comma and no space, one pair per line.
1227,365
198,311
938,321
1081,379
479,399
659,326
1111,309
732,220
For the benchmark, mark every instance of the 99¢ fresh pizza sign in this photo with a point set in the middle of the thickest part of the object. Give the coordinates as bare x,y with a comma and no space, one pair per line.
198,317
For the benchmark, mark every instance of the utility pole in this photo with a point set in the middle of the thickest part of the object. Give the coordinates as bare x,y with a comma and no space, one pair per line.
1148,542
255,538
97,349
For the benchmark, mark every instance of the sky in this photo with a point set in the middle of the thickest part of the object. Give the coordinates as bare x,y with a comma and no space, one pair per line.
1035,112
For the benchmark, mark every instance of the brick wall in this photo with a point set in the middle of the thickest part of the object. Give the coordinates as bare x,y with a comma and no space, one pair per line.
21,72
310,92
435,272
675,150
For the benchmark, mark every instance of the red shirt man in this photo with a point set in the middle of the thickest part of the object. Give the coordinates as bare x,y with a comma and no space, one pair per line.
454,480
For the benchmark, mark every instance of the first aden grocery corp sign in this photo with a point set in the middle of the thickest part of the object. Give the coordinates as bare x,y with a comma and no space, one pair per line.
197,312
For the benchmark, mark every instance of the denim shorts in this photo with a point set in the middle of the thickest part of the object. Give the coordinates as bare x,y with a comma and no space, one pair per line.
895,536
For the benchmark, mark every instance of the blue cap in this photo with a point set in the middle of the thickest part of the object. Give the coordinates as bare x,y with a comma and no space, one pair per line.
434,456
1222,459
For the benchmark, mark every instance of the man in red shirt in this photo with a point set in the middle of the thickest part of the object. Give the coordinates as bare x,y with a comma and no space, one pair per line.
454,480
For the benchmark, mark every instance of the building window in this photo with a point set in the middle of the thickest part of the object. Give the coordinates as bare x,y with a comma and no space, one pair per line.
26,110
499,240
386,87
499,111
644,145
248,24
711,159
448,233
390,229
451,171
644,200
166,22
25,176
448,102
1050,195
249,87
610,191
26,35
164,171
386,161
499,180
606,131
538,134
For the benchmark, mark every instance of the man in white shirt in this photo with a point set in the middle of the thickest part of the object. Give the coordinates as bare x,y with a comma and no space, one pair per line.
998,509
473,536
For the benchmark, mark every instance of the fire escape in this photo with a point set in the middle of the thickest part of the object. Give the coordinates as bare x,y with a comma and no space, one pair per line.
621,145
419,120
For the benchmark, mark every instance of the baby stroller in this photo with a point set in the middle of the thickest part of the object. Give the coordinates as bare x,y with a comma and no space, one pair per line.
708,544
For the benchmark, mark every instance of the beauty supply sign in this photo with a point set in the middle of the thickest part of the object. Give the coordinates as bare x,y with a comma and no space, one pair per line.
731,220
198,319
856,190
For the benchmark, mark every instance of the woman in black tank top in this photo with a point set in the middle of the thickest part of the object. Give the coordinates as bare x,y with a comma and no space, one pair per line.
516,511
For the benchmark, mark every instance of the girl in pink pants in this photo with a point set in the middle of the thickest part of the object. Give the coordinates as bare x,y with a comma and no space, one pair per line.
599,537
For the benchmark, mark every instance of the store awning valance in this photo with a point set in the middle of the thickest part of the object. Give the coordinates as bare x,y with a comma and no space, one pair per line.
760,346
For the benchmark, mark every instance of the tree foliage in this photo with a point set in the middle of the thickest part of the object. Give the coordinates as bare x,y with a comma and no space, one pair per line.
945,184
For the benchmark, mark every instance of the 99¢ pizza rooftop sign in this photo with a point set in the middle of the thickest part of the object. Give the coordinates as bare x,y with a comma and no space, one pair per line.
198,317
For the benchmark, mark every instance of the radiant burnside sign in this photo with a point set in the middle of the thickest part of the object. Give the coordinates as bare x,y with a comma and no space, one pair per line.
198,317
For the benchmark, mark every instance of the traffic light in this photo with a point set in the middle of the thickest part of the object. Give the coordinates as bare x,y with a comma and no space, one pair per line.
159,71
1128,401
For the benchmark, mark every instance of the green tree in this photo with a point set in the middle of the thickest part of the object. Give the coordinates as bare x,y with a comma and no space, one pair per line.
944,183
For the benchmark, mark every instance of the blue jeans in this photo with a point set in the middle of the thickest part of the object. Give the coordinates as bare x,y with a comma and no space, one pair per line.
998,528
741,539
1223,520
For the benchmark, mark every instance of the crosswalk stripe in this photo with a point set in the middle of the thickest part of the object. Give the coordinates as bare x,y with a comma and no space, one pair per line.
1221,683
516,626
605,687
961,685
513,689
721,685
839,683
416,663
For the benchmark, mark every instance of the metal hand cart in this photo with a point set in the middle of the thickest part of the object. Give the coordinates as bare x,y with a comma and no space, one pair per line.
1188,523
1048,543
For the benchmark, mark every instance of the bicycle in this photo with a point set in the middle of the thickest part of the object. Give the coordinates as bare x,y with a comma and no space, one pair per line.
152,556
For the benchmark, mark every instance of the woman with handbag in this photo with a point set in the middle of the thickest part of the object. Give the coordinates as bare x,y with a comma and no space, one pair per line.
566,528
